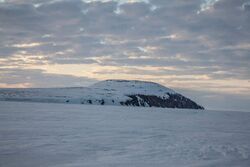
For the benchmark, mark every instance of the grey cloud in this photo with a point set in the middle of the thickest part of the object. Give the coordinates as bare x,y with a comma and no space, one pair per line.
135,9
218,101
246,6
5,51
94,30
38,78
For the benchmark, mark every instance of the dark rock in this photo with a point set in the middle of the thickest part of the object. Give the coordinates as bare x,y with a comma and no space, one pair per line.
174,101
102,102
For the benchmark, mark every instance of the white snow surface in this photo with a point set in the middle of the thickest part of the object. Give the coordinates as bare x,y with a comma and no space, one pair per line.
60,135
111,91
134,87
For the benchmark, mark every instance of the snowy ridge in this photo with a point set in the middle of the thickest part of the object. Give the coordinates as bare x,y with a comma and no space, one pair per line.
108,92
130,87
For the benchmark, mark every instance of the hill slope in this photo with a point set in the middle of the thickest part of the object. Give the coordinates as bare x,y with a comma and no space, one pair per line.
108,92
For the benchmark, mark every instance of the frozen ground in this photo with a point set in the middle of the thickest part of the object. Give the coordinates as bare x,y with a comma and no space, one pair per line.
61,135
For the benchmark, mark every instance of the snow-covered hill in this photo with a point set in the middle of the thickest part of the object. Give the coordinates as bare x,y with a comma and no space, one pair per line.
108,92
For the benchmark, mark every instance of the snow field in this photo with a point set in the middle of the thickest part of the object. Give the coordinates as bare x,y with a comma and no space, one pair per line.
61,135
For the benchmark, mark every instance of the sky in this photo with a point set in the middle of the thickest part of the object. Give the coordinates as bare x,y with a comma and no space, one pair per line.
200,48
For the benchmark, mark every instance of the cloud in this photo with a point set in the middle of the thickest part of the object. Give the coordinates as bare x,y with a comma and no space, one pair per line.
125,35
39,78
218,100
246,6
206,5
26,45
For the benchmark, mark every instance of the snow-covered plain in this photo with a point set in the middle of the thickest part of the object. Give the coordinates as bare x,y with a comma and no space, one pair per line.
61,135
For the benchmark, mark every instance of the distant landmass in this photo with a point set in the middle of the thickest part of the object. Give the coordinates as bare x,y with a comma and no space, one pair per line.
108,92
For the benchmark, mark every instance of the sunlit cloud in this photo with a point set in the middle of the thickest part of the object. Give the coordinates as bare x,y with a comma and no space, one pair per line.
19,85
47,35
26,45
172,37
148,49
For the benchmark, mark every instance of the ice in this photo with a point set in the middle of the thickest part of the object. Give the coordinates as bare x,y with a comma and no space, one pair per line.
61,135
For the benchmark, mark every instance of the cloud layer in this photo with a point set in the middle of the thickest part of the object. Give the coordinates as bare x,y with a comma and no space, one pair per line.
199,45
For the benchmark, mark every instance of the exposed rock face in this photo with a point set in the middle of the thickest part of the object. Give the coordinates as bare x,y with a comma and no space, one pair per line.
174,101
